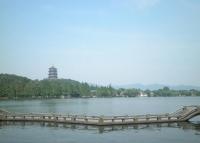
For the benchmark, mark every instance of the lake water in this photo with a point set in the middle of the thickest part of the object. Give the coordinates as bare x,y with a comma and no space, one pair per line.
26,132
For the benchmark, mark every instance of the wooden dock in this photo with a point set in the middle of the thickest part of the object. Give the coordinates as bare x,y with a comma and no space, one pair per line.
181,115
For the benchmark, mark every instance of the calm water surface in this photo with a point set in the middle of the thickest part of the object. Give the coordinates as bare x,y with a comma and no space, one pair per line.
20,132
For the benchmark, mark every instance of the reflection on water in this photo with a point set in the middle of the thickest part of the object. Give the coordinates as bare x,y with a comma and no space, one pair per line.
195,126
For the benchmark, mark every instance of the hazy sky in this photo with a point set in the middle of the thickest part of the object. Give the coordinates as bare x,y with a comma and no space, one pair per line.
102,41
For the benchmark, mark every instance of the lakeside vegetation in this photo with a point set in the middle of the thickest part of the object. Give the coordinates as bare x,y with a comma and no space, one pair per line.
13,87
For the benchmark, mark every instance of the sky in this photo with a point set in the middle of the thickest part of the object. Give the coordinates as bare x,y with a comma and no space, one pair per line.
102,41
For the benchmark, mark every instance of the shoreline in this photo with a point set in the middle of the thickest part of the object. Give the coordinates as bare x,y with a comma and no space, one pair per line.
19,98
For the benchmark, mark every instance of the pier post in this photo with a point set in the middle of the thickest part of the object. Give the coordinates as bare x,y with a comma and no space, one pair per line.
113,120
73,118
101,120
64,118
147,118
55,118
86,120
158,118
135,119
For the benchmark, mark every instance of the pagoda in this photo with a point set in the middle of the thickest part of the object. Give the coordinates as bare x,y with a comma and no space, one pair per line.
53,73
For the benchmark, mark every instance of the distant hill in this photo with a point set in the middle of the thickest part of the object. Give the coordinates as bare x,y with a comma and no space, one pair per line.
157,86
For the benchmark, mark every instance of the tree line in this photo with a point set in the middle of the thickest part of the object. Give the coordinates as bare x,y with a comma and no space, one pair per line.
13,86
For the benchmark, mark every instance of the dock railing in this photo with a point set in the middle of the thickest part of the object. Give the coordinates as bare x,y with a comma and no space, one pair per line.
180,115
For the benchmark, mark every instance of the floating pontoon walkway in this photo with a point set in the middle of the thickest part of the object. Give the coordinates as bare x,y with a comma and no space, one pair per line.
183,114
